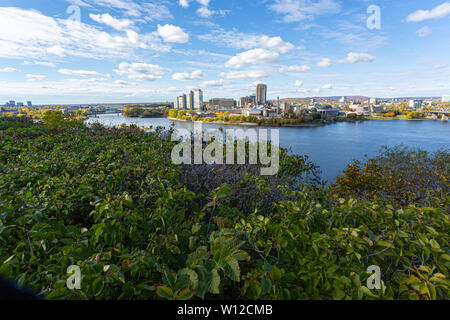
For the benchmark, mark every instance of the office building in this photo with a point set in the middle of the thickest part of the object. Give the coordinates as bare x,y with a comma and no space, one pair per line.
29,104
222,103
446,98
244,101
198,99
261,94
416,104
12,103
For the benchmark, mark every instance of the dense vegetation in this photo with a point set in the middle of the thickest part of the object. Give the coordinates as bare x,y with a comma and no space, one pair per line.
139,227
145,113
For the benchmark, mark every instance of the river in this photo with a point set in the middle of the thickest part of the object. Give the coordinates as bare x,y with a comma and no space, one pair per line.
333,146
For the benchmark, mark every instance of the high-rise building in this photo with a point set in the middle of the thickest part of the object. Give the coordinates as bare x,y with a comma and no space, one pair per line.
343,100
198,99
182,102
29,104
446,98
373,101
12,103
261,94
175,104
190,100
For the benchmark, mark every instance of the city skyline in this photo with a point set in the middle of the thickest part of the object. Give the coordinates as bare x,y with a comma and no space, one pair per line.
102,51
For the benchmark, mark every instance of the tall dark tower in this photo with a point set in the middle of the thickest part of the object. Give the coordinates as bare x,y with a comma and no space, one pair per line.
261,94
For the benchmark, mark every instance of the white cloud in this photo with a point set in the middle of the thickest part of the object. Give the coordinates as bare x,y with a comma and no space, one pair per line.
82,73
122,83
35,77
438,12
244,75
241,40
112,22
171,33
298,83
203,11
213,83
327,86
297,10
40,63
193,76
184,3
56,50
354,57
150,10
284,69
324,63
140,71
37,36
9,69
255,56
424,32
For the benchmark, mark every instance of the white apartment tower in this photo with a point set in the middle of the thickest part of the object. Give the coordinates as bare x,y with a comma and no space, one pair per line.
198,99
190,101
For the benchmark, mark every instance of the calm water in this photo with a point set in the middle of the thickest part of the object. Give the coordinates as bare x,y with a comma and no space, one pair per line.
333,146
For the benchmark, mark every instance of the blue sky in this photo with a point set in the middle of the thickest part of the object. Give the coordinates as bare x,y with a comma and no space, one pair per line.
93,51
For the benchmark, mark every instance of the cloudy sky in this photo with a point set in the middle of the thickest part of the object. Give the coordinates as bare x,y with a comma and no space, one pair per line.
93,51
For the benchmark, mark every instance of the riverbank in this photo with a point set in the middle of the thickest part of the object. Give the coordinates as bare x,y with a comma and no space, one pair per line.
252,124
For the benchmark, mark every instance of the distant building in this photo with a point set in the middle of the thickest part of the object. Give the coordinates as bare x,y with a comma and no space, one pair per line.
328,112
12,103
376,109
244,101
182,102
416,104
175,104
190,100
20,104
343,100
446,98
198,99
253,112
222,103
29,104
373,101
261,94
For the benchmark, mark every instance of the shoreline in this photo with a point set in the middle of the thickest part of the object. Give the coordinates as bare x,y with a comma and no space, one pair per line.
252,124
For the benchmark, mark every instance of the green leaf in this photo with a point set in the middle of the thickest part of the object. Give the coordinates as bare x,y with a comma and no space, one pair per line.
338,294
241,255
164,292
214,282
185,294
231,269
367,292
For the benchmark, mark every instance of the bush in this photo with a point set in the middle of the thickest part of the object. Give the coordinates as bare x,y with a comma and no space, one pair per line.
112,202
398,176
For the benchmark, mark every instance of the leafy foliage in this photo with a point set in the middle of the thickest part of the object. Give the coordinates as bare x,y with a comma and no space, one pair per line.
112,202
